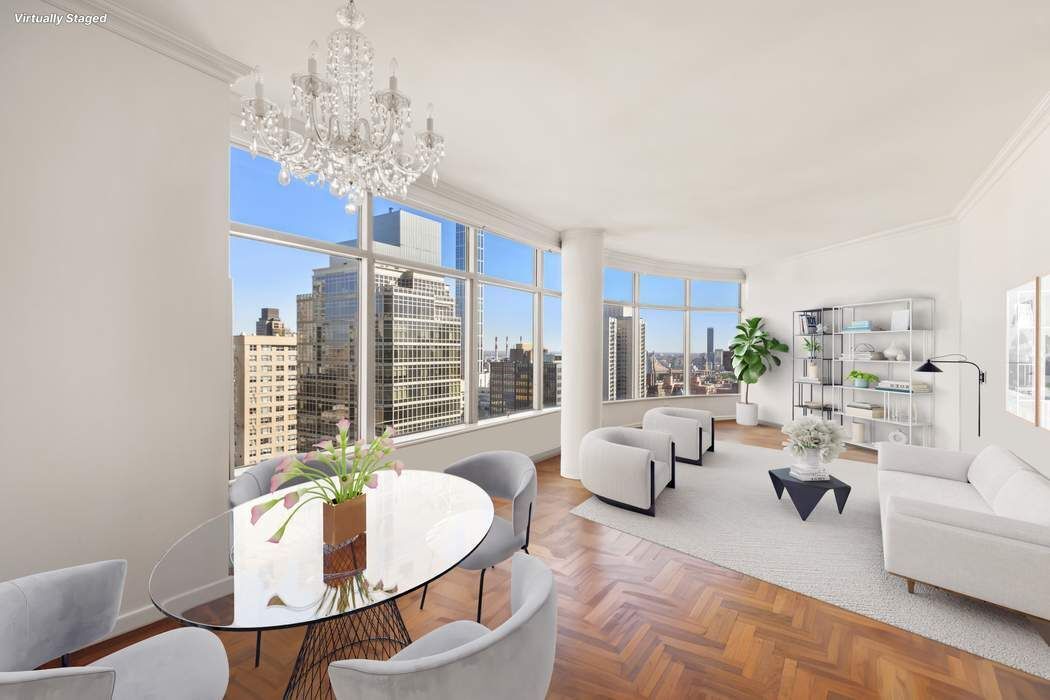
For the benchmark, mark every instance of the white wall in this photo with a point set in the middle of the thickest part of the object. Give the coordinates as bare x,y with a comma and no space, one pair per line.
536,435
919,262
1004,241
116,361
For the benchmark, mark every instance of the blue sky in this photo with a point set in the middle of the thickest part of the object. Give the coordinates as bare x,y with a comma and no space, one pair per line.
265,274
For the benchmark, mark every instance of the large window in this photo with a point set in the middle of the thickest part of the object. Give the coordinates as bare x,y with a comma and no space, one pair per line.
417,236
710,361
663,333
551,350
257,199
505,385
647,340
420,350
326,328
295,315
505,259
1020,351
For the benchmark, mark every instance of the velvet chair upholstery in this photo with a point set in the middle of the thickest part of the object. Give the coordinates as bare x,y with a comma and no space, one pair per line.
49,615
466,660
502,474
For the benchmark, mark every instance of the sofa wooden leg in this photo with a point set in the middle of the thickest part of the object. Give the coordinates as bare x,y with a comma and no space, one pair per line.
911,585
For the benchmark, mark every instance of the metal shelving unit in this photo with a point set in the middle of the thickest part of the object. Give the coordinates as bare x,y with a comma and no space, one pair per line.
907,411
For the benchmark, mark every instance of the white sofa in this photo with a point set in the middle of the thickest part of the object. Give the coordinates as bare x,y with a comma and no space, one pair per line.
627,467
974,524
692,430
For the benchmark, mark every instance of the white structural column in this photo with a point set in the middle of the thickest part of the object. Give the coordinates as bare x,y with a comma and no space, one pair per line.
581,317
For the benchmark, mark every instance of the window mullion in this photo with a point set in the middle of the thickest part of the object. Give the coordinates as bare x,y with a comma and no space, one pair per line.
366,326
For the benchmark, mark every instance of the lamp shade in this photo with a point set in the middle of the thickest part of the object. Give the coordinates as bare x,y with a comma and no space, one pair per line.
928,366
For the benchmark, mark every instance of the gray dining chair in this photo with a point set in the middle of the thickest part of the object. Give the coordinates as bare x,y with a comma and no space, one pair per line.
466,660
502,474
254,482
49,615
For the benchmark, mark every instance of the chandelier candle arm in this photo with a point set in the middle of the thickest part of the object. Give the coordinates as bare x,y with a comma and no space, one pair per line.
338,144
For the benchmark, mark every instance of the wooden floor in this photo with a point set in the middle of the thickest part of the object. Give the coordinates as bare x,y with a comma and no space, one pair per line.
639,620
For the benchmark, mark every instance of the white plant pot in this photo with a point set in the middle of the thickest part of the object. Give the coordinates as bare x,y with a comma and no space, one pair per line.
747,414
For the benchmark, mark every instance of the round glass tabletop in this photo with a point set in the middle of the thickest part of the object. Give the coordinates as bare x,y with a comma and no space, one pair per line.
225,574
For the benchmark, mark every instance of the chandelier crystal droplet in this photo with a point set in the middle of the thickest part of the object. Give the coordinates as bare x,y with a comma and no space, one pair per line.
339,130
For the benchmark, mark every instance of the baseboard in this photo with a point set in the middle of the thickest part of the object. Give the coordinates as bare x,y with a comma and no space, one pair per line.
546,454
147,614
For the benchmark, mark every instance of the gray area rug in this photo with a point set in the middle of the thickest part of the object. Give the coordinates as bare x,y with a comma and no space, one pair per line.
727,513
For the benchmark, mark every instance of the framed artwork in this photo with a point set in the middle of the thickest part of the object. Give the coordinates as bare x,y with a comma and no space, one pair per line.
1027,333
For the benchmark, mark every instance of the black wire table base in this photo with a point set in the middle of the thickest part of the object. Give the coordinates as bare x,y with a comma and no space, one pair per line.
376,633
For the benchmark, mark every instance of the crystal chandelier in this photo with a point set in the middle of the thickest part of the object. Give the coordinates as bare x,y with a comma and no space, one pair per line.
338,130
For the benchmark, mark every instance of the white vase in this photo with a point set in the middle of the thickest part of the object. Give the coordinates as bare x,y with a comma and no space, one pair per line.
747,413
811,457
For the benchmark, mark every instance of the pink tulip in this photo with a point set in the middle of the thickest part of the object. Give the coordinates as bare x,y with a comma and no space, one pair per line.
373,481
309,456
326,445
291,499
360,443
276,539
343,425
387,444
398,466
259,510
284,465
391,431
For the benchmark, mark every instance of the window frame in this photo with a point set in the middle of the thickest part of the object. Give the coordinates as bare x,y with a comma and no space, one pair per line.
472,280
688,308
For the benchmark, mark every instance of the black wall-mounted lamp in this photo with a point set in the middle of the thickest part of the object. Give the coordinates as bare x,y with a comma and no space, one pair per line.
929,366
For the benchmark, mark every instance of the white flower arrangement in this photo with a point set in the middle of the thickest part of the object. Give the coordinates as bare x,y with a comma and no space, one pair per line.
810,433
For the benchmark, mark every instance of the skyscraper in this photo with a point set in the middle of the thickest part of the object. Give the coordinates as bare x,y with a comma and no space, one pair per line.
269,322
418,338
419,352
618,363
711,348
327,342
264,400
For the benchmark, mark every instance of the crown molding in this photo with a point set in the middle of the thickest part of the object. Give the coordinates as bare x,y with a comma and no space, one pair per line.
1030,130
146,32
670,268
465,207
916,227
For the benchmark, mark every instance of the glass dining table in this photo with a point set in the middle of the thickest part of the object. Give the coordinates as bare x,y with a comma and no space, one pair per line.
226,575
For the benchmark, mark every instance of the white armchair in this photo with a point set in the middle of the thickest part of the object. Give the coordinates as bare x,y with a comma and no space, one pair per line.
627,467
974,524
692,430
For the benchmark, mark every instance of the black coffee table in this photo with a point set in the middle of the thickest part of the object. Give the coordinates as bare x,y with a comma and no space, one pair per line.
806,494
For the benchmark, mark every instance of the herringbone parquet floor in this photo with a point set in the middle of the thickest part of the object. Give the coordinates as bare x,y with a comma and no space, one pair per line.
639,620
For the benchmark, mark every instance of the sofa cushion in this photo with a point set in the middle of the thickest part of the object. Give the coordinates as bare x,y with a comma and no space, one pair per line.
919,487
1024,496
991,468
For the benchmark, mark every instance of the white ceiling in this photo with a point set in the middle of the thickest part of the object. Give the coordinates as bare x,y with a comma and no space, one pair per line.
717,133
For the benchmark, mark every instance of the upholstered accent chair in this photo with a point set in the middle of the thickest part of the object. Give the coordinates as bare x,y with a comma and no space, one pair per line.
692,430
49,615
973,524
466,660
502,474
627,467
254,482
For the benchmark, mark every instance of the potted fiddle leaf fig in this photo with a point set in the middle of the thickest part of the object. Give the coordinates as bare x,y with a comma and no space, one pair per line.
753,354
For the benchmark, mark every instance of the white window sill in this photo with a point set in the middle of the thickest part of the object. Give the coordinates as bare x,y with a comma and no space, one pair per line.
682,397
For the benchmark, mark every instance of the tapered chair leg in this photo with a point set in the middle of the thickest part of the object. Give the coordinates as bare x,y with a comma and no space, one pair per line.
258,646
423,599
481,591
